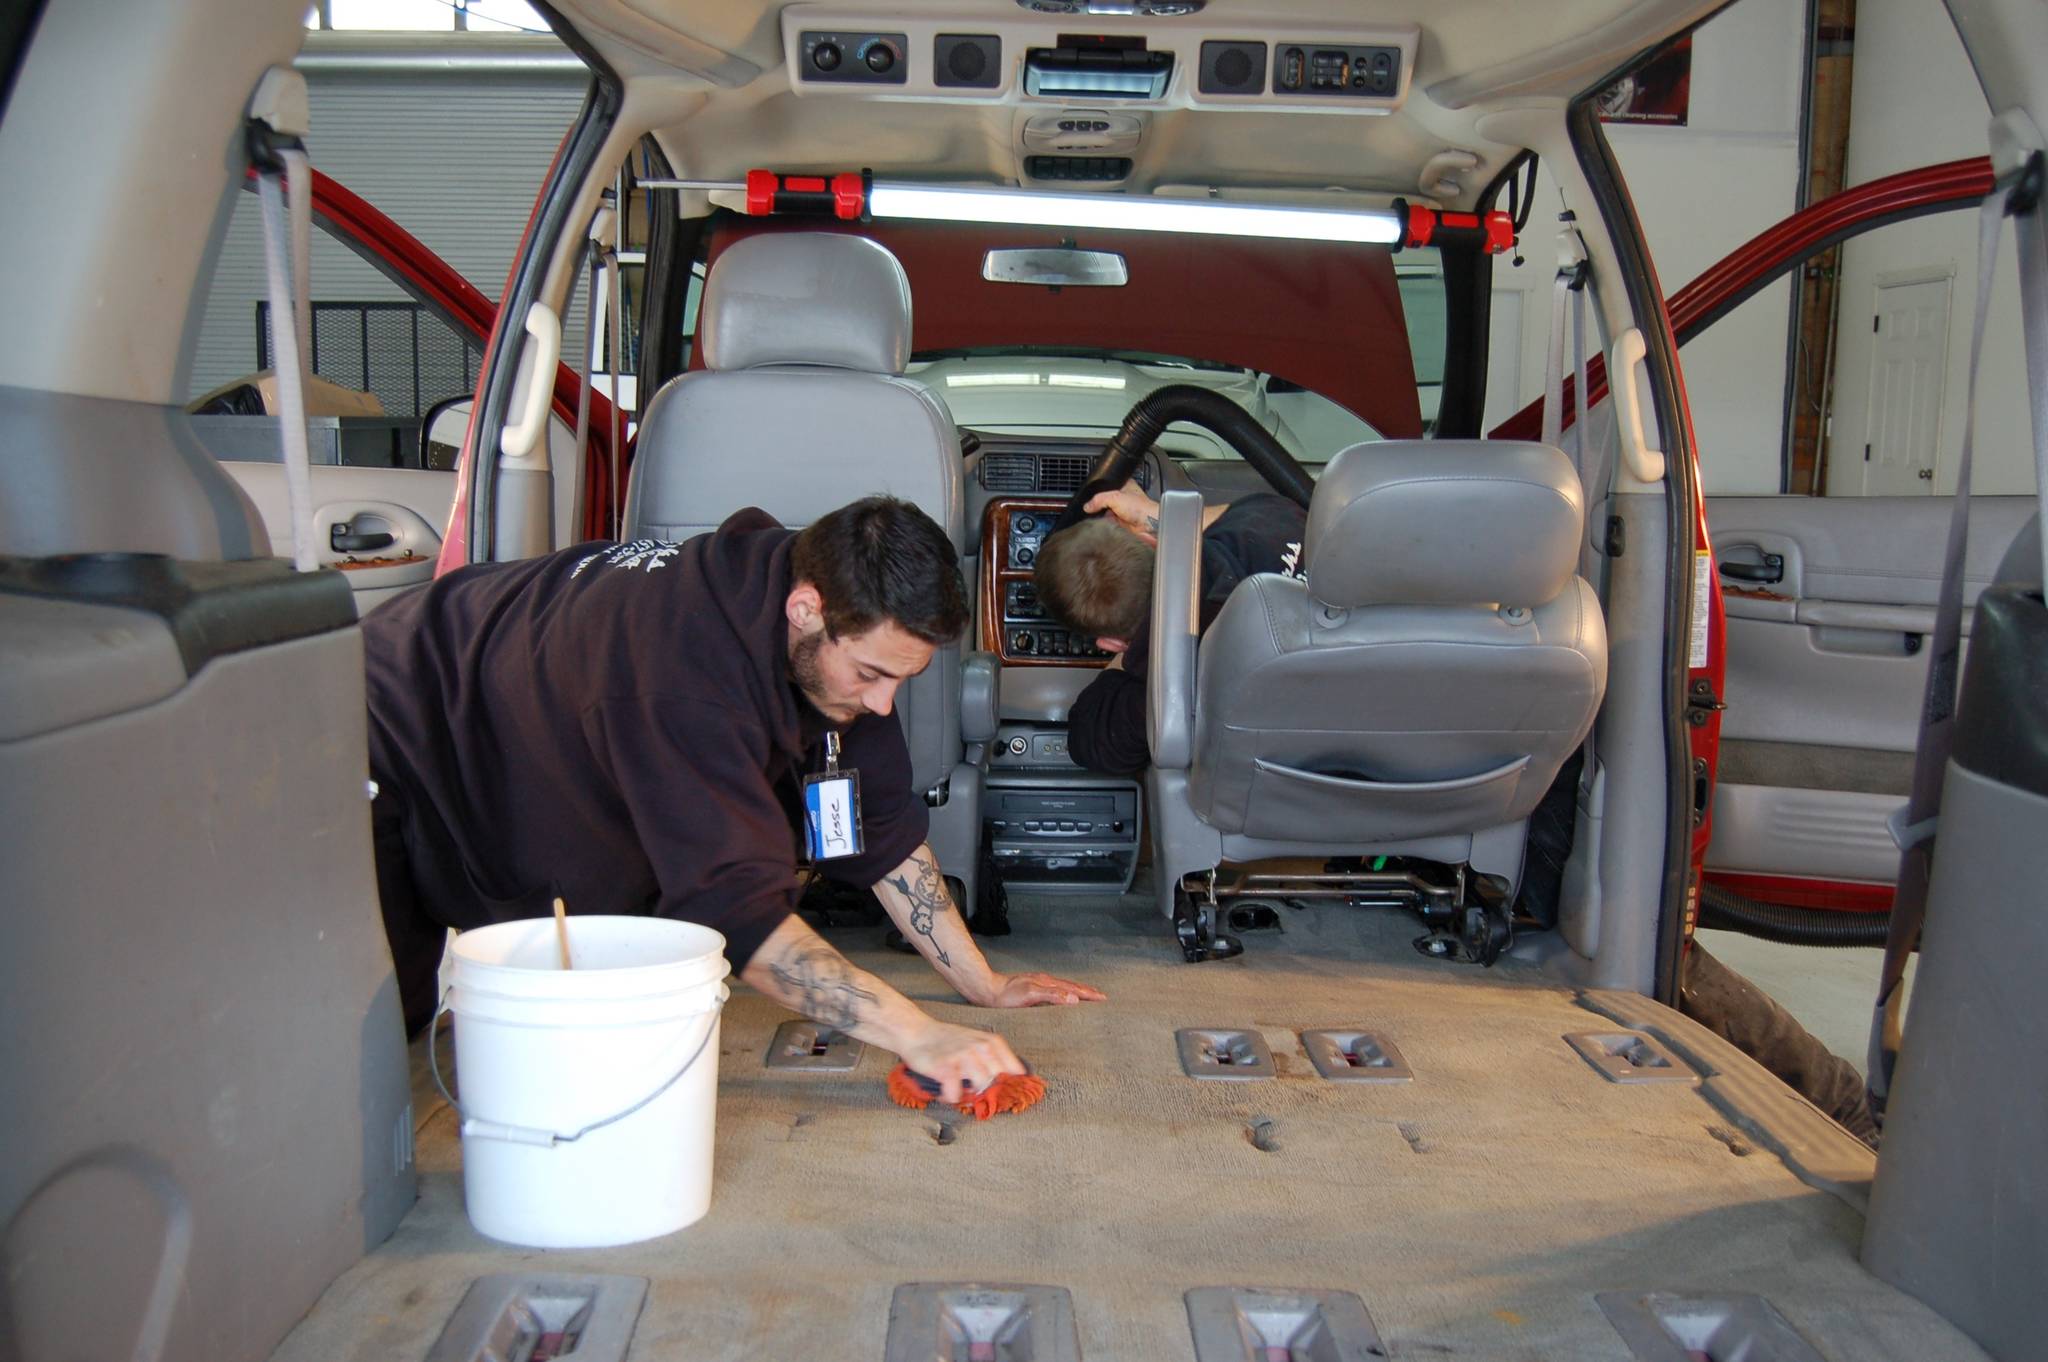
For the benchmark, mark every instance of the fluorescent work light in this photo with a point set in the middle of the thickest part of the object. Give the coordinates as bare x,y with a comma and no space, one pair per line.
851,197
1203,216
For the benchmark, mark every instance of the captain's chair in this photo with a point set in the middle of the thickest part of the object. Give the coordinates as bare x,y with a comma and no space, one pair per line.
1416,695
800,409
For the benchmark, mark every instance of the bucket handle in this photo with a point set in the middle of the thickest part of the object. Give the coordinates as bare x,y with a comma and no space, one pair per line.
548,1139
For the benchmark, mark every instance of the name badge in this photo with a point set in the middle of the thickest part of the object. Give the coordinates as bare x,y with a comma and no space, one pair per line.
832,808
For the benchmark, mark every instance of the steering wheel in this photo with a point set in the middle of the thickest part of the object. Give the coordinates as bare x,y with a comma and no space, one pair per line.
1210,410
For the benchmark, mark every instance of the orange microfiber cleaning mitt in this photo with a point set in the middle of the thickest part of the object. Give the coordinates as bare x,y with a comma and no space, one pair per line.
1011,1092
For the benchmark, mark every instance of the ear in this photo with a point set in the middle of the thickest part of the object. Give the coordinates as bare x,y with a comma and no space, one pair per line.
805,609
1113,645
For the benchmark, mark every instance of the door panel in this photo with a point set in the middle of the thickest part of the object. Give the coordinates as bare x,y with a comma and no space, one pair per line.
1829,602
408,504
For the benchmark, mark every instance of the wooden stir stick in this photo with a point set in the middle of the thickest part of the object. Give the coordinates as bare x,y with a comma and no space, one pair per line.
562,932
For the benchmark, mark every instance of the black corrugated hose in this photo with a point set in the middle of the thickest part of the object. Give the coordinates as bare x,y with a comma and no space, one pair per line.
1724,910
1186,402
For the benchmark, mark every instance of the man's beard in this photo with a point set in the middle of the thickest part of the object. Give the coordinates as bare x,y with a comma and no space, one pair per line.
809,676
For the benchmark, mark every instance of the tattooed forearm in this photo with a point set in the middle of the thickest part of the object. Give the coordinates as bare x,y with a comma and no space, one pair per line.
820,985
928,899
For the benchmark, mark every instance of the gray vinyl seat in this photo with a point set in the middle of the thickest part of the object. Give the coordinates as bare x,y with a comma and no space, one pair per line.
801,408
1416,694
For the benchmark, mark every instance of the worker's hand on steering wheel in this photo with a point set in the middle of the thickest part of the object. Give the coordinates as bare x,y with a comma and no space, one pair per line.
1133,510
960,1058
1039,990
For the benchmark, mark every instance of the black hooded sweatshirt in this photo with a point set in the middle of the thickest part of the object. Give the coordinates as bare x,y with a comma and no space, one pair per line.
616,724
1108,728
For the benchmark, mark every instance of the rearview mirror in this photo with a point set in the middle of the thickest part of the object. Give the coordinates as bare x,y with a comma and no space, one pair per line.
1055,267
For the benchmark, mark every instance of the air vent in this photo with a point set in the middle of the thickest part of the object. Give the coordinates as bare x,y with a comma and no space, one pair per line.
1078,167
1009,472
1062,472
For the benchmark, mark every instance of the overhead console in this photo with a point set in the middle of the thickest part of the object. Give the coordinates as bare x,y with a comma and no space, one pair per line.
1151,61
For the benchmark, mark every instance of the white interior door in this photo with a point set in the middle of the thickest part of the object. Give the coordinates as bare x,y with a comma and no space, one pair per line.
1908,371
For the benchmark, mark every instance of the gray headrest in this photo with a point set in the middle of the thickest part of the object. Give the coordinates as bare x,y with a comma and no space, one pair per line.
806,298
1444,522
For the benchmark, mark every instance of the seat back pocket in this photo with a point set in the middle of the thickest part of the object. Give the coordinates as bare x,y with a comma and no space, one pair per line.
1298,805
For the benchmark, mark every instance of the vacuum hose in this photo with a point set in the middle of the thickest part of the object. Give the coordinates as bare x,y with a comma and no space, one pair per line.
1728,911
1185,402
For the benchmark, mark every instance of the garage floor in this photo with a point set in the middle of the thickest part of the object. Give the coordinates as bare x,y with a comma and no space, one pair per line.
1829,989
1476,1210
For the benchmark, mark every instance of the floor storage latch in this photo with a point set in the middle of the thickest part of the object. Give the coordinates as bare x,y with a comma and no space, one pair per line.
1662,1326
1355,1057
813,1048
1243,1324
965,1322
1212,1052
1630,1057
537,1317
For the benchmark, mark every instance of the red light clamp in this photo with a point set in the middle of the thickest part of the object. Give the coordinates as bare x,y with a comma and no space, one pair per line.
840,196
1492,233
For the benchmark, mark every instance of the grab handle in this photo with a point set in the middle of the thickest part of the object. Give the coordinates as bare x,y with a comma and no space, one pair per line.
536,1136
1644,463
544,348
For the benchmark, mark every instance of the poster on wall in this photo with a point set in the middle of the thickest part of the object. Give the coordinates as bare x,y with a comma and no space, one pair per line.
1656,92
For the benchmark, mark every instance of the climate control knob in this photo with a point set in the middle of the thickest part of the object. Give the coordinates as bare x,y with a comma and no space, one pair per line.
1022,642
879,58
1026,524
826,56
1026,556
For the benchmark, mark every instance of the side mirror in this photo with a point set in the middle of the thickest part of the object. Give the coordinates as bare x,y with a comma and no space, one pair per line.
442,433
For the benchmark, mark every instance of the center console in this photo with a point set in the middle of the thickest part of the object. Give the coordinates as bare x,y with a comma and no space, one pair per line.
1014,624
1054,827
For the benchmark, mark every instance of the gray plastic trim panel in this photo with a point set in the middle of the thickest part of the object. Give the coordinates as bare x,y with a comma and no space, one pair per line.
1210,1052
1630,1057
969,1322
1663,1326
516,1317
806,1047
1250,1324
1355,1057
1820,1153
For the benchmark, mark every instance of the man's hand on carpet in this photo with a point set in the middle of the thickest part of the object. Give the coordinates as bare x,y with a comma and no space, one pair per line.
1039,990
956,1056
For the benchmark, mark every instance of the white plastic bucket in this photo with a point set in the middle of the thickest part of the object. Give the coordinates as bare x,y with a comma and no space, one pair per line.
546,1054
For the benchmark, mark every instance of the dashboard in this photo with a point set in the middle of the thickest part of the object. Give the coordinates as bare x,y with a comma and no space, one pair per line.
1017,486
1014,624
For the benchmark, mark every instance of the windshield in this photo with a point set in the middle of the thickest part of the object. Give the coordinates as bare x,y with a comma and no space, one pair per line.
1084,392
1326,344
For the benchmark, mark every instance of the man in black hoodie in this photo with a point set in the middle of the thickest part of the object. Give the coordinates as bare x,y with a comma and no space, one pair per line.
629,727
1097,577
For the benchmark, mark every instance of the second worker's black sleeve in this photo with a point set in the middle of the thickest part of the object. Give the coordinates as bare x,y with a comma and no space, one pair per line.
1108,729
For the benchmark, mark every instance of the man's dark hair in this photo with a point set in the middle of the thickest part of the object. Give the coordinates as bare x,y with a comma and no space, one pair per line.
1097,577
883,559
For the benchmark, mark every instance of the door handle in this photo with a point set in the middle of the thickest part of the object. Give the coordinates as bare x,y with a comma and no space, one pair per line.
1771,569
343,538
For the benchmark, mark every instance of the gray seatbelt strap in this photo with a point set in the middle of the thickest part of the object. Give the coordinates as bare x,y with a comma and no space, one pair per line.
616,357
277,120
1567,286
1913,827
583,375
1591,481
2030,233
1553,362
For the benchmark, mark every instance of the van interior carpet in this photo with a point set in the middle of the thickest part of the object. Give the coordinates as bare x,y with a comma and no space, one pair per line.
1476,1209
